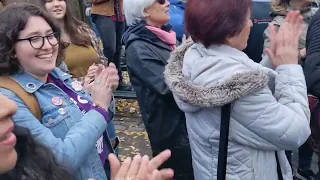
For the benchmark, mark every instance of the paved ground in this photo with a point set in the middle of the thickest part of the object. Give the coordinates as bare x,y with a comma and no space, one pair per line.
133,137
134,140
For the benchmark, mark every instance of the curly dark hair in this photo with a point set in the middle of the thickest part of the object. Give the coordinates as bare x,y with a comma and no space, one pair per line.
35,161
13,19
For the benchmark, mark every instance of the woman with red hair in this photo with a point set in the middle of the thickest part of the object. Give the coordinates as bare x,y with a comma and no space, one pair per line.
214,82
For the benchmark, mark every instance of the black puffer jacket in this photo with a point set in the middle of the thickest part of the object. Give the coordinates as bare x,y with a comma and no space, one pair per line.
146,58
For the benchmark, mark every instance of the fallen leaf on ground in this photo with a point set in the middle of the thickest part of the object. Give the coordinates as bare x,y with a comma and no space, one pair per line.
127,106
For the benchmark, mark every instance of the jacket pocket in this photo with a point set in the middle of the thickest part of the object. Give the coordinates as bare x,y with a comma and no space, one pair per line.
55,115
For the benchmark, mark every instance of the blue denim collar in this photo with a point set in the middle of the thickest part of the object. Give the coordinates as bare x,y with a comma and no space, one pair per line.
31,85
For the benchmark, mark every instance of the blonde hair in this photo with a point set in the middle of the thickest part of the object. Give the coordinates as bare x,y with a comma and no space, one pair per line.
280,6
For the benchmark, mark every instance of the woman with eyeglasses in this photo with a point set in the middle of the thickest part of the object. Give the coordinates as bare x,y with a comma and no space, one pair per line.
83,54
149,42
73,124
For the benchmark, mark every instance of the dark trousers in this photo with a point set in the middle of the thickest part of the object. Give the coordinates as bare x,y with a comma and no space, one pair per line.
110,33
181,157
305,156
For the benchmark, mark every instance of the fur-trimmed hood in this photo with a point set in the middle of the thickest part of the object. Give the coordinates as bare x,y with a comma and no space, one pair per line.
217,94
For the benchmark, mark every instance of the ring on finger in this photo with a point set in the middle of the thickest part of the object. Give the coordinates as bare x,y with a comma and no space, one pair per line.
132,178
97,81
135,178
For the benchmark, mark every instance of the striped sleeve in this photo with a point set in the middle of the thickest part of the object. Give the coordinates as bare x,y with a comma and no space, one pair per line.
312,61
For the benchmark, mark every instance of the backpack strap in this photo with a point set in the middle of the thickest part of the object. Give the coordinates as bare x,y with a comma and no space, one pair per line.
28,99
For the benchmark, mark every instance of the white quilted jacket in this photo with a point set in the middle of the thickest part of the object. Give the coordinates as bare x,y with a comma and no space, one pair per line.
269,110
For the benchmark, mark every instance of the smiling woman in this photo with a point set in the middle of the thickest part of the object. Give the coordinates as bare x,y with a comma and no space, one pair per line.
83,46
70,116
8,155
22,157
29,37
33,61
83,54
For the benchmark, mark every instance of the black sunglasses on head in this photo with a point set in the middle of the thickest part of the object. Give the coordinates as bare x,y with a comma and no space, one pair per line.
161,1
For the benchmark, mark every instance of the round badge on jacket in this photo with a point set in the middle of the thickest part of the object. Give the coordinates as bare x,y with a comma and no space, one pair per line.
62,111
57,101
76,85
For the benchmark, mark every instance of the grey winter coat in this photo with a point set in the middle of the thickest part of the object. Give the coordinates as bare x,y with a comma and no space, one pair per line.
269,110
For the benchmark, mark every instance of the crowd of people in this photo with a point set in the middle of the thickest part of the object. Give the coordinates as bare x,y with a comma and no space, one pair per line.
223,93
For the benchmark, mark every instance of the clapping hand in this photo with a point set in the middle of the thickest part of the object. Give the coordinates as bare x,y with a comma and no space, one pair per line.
140,168
113,78
105,82
303,53
284,44
94,71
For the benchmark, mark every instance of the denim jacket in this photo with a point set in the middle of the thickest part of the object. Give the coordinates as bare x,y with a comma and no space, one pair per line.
71,135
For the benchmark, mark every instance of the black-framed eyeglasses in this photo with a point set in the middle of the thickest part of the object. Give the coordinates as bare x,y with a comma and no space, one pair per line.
37,42
161,1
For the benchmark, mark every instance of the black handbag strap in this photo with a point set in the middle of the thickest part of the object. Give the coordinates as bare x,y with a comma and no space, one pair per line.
223,142
223,145
278,167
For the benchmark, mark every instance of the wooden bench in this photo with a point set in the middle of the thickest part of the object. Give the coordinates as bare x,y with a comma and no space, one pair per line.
125,94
